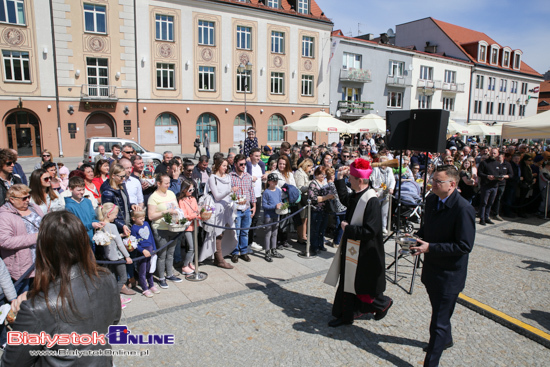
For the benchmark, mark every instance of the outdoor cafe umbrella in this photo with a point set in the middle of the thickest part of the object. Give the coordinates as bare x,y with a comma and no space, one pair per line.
370,123
318,122
479,128
453,127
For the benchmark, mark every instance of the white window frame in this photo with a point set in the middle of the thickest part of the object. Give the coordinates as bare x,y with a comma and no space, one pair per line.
506,54
303,6
521,111
207,77
489,109
448,104
501,108
426,72
277,83
482,52
13,57
395,99
516,60
503,85
18,10
491,83
167,71
351,94
351,60
164,34
207,34
397,68
514,87
478,105
244,80
424,102
494,56
277,42
244,35
308,44
512,110
480,81
524,87
101,88
95,13
450,76
273,3
307,85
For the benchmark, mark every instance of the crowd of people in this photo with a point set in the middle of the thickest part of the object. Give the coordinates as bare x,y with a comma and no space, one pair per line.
133,203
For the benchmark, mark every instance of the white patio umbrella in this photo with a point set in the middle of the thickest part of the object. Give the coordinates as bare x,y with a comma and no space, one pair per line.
318,122
370,123
453,127
479,128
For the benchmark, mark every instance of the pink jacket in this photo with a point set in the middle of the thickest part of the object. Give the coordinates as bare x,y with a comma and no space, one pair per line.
190,210
15,243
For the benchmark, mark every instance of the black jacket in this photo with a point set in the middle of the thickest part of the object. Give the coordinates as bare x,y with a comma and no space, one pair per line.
450,232
98,307
4,189
110,195
488,167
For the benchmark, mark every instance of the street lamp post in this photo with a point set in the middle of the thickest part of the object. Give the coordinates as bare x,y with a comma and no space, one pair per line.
241,69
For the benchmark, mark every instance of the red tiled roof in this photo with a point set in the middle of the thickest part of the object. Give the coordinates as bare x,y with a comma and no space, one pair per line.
340,34
464,38
316,12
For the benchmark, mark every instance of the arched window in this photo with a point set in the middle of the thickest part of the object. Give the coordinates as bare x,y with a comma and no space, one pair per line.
23,131
275,128
166,130
240,126
207,123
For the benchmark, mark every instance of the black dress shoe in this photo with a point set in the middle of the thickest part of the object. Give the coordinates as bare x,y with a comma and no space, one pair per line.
339,322
489,221
234,258
380,315
245,257
447,346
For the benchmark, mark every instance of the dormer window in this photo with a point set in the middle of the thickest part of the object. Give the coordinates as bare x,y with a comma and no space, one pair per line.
516,61
494,54
273,3
506,57
303,6
482,52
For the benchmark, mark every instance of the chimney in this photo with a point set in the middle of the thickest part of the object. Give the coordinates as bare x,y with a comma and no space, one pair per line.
430,48
384,38
368,36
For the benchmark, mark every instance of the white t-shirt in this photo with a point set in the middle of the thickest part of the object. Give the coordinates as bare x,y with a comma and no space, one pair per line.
257,172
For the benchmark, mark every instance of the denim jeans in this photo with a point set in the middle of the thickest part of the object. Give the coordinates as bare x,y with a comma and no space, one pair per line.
319,220
339,231
165,257
243,221
488,195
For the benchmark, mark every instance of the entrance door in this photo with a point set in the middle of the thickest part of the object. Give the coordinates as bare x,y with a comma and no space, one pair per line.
100,125
23,134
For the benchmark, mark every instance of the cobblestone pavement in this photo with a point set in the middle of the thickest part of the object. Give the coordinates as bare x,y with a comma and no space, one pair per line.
276,314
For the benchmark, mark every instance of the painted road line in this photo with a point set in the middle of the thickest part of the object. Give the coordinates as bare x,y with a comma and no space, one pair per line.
508,321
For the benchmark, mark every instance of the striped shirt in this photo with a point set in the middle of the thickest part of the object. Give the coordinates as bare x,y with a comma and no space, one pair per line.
245,185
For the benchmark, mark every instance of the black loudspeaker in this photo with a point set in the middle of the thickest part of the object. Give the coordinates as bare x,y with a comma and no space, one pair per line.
427,130
397,129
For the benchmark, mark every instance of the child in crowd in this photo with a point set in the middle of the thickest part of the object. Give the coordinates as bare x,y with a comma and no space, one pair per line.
146,245
116,250
82,207
271,200
64,177
188,204
415,168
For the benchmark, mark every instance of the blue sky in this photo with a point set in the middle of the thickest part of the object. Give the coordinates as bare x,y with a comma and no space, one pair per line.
520,25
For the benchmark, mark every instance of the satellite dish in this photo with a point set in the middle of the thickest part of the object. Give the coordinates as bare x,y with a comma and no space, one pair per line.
411,67
338,113
390,33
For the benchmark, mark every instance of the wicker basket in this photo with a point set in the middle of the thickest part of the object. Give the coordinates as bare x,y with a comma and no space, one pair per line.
282,211
206,215
179,227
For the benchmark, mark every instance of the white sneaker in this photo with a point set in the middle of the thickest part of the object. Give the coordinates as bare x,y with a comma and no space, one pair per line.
256,247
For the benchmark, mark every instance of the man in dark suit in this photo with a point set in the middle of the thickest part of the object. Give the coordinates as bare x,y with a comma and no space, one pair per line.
447,237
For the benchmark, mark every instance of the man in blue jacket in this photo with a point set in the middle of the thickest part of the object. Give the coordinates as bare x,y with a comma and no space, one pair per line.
447,238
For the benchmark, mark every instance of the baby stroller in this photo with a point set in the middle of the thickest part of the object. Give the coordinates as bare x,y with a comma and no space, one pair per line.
411,208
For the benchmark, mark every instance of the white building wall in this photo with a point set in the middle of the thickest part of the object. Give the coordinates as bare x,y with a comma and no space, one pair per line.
44,40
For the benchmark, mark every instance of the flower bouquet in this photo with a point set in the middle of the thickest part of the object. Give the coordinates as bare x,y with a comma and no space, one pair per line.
177,222
283,210
206,212
102,238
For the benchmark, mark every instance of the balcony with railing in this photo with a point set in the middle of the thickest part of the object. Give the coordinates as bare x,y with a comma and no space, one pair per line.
353,109
95,92
453,87
398,81
355,75
429,84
